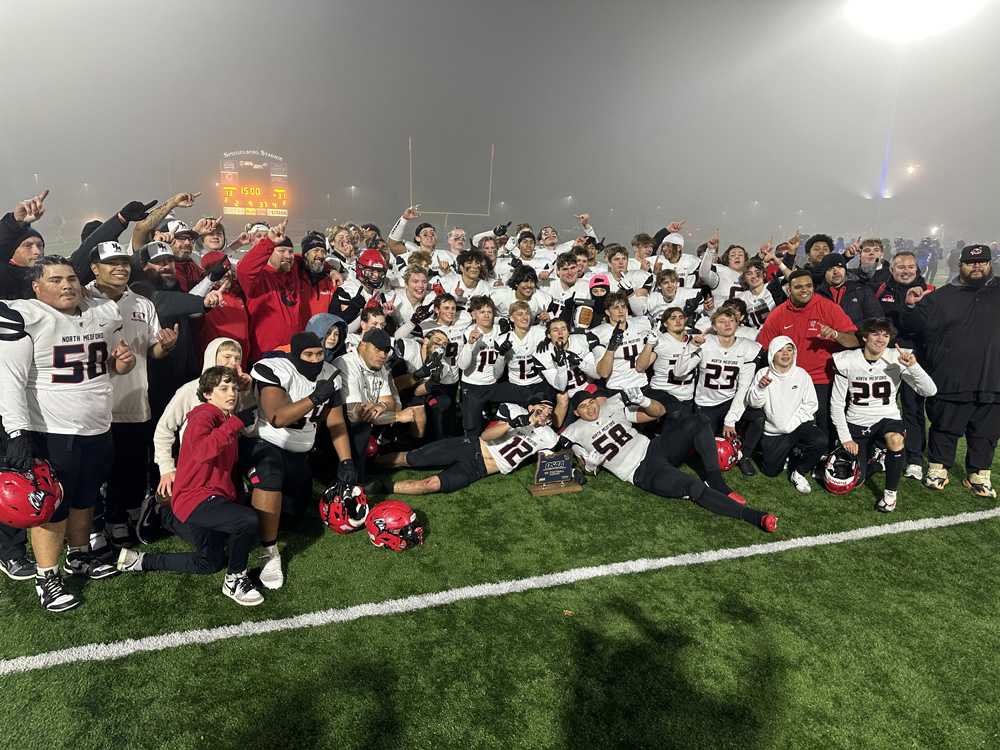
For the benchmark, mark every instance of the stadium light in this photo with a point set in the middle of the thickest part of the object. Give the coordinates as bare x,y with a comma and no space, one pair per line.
902,21
911,169
934,230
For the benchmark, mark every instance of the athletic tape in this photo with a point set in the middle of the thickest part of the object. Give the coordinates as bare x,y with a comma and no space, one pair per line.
121,649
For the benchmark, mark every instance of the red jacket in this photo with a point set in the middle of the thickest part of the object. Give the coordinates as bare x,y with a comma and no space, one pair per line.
209,450
321,294
802,325
277,303
228,320
188,274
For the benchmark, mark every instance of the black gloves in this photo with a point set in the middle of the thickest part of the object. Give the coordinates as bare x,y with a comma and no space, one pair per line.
346,472
559,356
248,416
432,367
543,346
616,338
324,391
20,454
573,359
504,348
504,325
420,314
515,263
522,421
501,229
136,211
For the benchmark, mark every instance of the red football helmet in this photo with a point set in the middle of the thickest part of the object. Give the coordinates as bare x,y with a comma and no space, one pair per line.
371,268
343,508
841,472
393,524
371,447
730,451
29,498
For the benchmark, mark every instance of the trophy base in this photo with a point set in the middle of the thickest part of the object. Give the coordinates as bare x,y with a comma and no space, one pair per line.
554,488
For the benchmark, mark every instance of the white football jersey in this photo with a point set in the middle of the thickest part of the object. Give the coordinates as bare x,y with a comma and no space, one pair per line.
520,443
54,366
621,447
452,284
522,368
140,327
456,337
478,361
758,307
569,379
686,268
561,295
656,304
665,378
623,372
279,371
730,283
864,392
503,298
634,279
723,373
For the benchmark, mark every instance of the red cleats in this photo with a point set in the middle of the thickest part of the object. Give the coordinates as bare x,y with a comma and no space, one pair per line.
769,523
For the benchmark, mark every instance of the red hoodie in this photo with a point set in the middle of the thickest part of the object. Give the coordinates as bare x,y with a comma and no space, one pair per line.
802,325
209,450
277,303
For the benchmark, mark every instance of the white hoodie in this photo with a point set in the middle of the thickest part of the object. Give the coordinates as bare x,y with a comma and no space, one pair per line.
789,399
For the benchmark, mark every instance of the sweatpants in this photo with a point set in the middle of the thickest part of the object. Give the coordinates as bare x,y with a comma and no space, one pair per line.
950,420
214,524
774,449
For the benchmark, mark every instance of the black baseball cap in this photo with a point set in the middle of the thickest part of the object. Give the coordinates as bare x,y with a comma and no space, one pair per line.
976,254
378,338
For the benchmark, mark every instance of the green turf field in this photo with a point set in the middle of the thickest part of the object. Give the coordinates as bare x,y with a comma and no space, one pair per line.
886,642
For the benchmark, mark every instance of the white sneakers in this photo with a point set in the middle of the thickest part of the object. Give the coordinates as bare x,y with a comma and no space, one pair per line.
239,588
914,471
888,502
800,483
271,575
130,561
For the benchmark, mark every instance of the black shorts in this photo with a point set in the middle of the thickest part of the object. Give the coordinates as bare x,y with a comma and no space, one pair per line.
273,469
461,455
878,430
82,464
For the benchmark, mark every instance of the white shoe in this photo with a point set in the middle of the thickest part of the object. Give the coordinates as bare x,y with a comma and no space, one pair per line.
271,575
914,471
130,561
888,502
800,483
239,588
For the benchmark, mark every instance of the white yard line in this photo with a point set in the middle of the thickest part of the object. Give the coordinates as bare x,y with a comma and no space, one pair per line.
120,649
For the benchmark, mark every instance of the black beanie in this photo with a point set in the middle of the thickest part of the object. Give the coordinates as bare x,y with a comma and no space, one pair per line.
313,240
26,233
89,228
304,340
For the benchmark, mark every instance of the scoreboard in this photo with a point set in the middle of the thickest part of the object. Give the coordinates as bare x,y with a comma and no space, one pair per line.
253,183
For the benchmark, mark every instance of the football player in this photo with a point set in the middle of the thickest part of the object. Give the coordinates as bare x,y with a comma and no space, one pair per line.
523,286
622,340
863,401
58,353
480,362
297,392
567,360
517,435
726,365
603,435
675,392
724,278
671,257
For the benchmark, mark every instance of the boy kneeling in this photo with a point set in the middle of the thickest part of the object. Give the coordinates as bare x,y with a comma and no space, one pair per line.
203,508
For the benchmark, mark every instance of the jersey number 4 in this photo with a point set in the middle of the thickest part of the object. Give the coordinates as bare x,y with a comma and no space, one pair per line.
611,442
95,364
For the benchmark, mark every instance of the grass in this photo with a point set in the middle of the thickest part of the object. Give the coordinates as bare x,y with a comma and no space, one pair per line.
888,642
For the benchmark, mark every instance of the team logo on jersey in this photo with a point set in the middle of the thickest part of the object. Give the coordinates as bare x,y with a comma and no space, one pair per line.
138,315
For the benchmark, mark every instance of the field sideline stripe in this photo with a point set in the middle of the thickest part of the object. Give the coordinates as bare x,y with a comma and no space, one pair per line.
120,649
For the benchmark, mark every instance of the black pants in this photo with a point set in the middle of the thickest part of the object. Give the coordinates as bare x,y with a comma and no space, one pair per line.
462,457
950,420
774,449
750,426
475,398
13,543
913,417
823,413
129,478
675,407
213,524
658,473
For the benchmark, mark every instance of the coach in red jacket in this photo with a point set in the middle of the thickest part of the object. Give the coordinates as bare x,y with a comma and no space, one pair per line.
277,289
819,327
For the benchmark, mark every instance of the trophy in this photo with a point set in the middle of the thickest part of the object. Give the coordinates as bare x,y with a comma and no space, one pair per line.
556,473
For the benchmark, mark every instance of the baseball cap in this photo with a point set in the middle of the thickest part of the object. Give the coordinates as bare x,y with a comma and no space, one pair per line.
257,226
975,254
674,238
600,279
179,229
378,338
154,251
105,251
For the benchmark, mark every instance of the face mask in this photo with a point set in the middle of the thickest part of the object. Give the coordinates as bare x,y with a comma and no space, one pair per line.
310,370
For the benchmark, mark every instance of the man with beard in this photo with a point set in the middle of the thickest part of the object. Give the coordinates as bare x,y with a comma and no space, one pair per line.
182,238
854,298
957,327
317,273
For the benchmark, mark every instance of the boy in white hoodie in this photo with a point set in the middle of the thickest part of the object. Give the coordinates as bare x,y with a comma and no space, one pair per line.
786,394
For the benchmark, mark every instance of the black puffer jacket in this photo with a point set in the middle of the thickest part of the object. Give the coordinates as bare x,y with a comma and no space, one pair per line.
957,327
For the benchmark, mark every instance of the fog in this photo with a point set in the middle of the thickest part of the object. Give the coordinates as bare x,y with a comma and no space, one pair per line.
754,117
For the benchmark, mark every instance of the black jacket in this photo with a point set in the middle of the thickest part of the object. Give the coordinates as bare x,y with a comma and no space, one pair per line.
891,295
957,327
855,299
